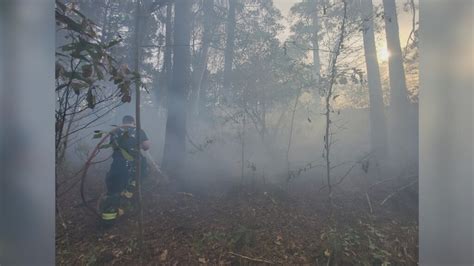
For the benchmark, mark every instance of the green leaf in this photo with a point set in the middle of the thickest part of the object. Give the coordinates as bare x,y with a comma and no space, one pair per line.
105,146
68,47
114,42
126,155
97,135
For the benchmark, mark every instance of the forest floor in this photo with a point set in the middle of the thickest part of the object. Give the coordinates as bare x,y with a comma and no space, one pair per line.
249,225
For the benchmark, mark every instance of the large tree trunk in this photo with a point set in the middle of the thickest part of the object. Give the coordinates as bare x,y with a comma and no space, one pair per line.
229,48
378,127
403,119
198,73
174,150
167,63
398,88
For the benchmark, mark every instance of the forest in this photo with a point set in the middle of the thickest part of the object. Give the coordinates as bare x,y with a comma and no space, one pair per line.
280,131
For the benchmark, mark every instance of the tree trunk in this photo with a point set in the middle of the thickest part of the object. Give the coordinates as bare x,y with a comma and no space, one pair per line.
403,137
167,63
328,97
292,121
229,49
242,158
138,126
398,88
174,150
315,41
201,68
378,127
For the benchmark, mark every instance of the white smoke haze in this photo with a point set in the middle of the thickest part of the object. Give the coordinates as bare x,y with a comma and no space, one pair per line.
249,102
315,132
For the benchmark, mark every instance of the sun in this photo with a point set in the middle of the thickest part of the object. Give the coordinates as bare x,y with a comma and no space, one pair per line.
383,55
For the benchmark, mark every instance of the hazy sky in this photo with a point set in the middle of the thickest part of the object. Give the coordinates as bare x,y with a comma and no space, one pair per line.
404,18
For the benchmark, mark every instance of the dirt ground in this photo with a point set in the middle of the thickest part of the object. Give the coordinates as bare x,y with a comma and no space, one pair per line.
231,225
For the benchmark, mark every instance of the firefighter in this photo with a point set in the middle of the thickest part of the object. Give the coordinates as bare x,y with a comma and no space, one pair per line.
120,180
